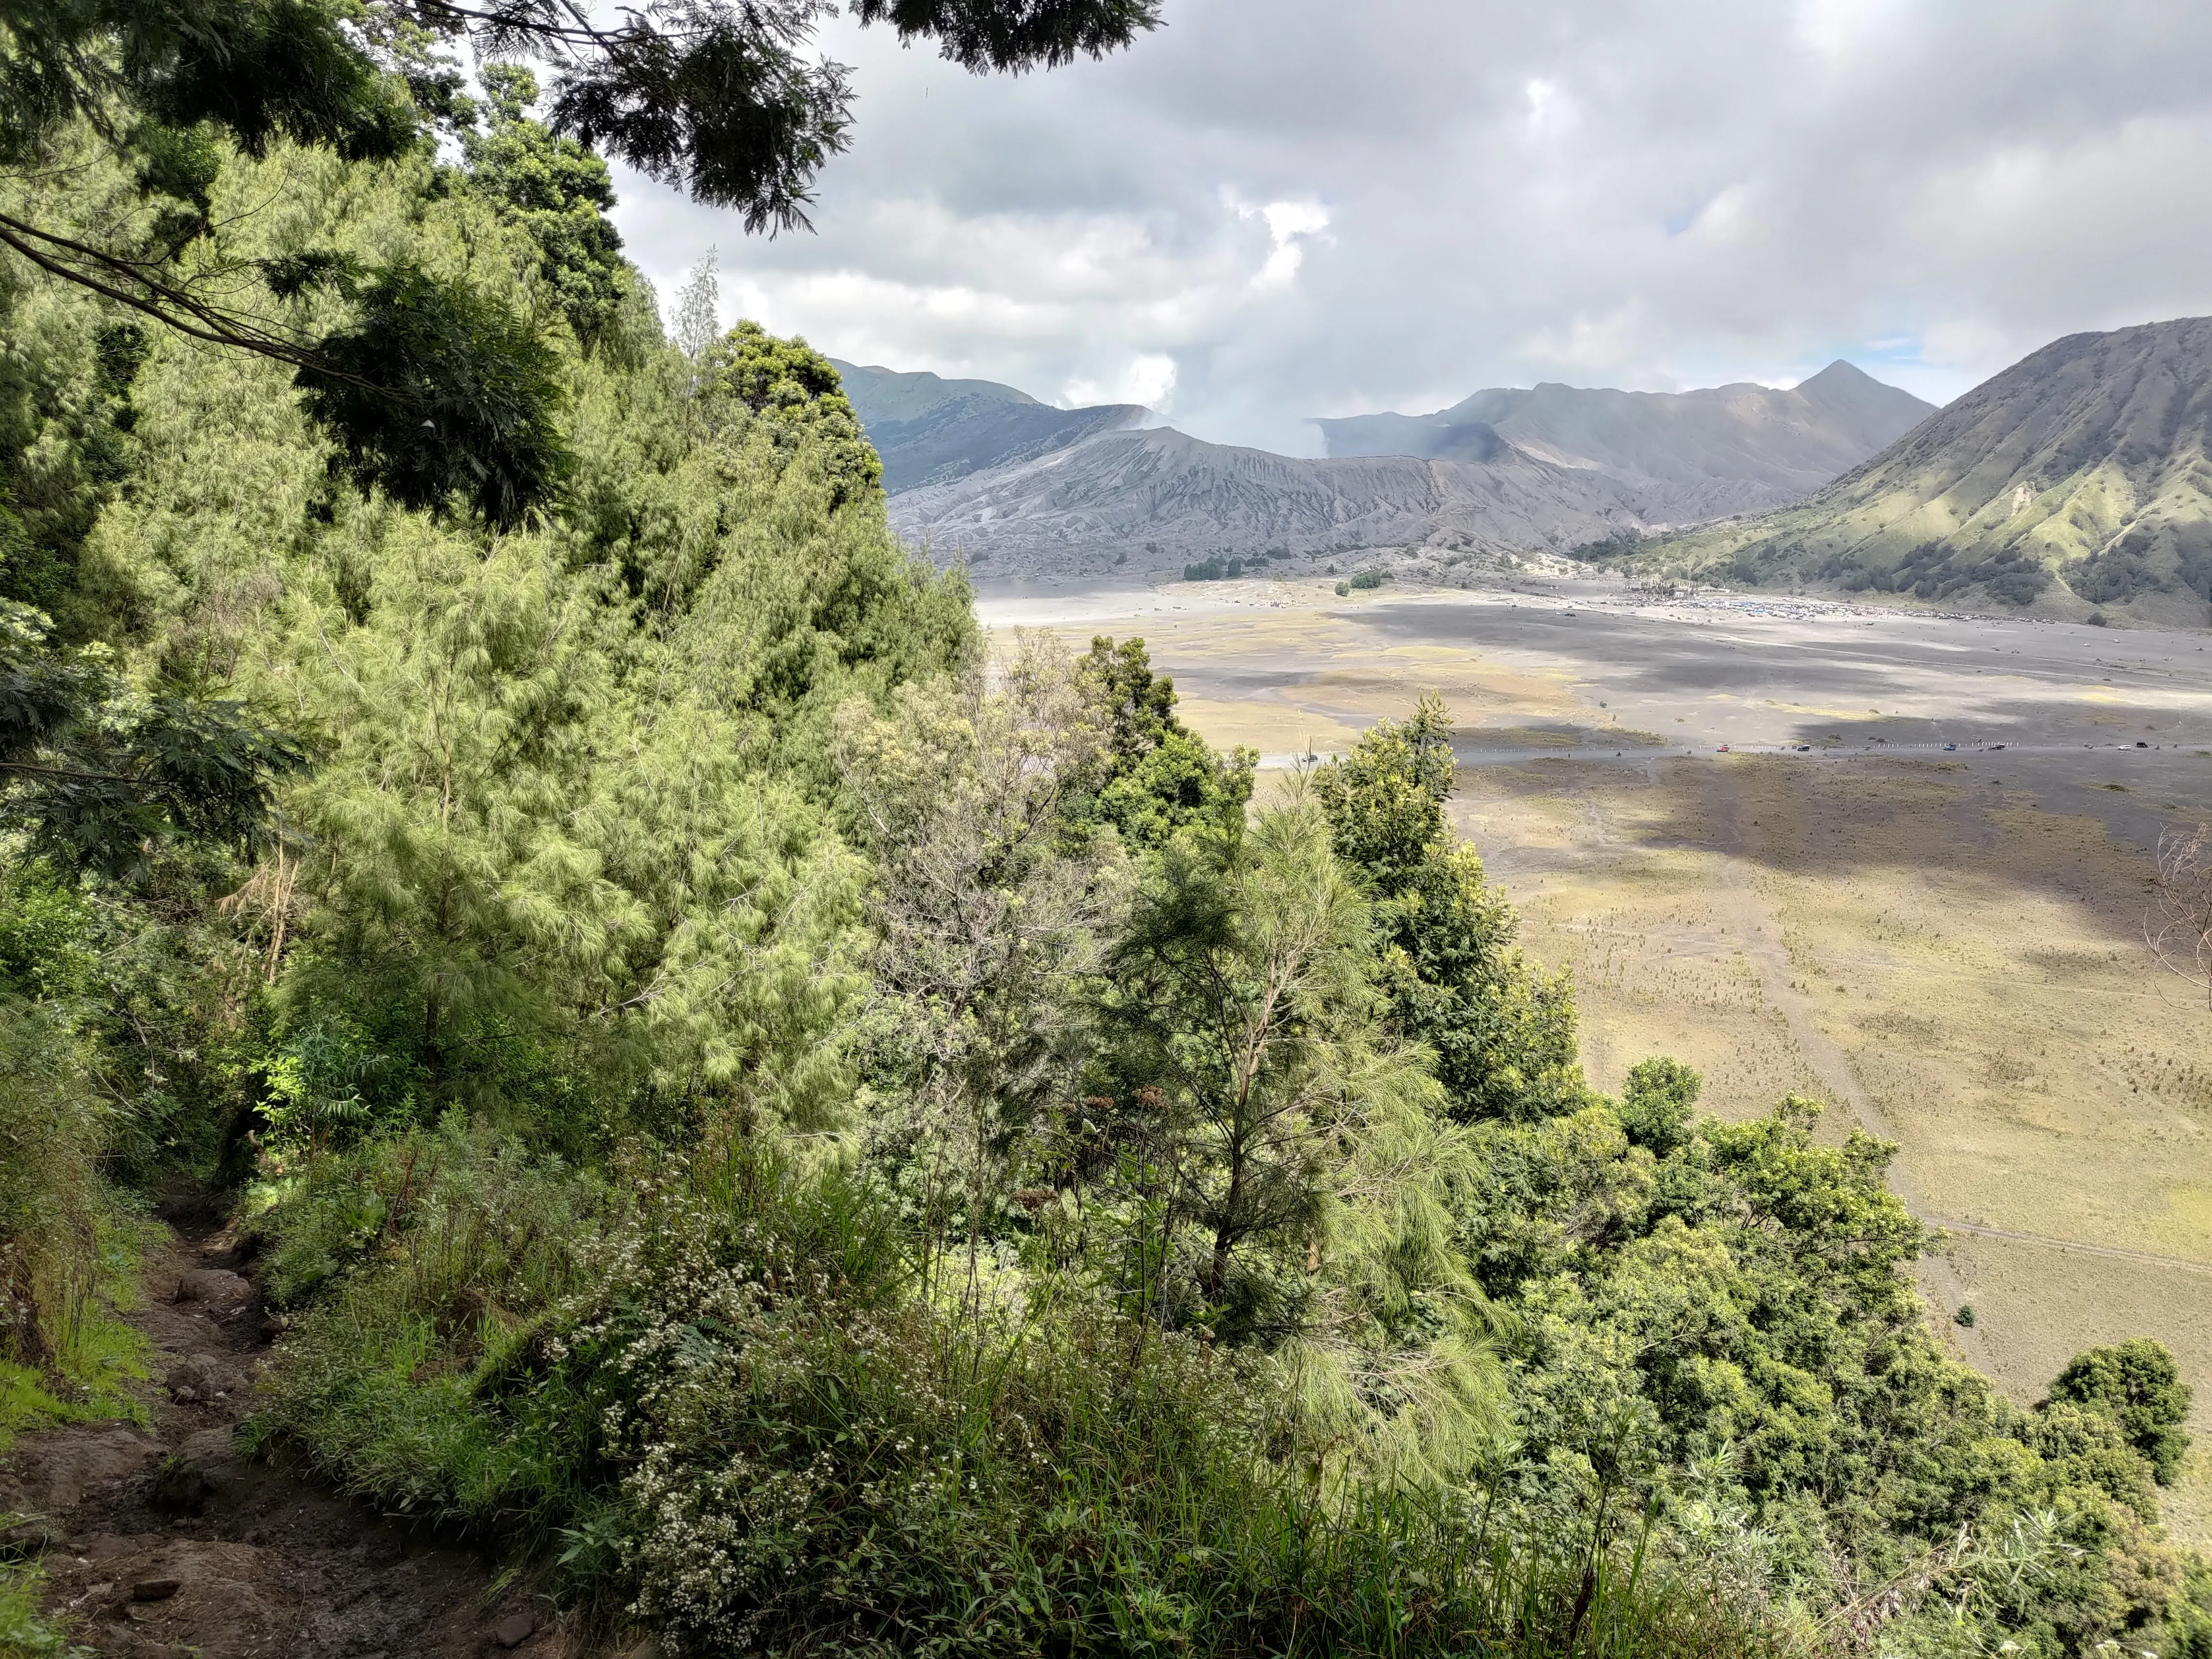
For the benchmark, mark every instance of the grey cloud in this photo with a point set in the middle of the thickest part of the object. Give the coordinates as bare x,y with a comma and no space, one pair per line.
1652,196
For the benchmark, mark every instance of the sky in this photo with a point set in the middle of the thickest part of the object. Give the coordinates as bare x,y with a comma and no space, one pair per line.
1272,209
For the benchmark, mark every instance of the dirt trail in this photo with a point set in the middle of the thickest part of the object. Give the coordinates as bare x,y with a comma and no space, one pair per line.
2116,1252
166,1541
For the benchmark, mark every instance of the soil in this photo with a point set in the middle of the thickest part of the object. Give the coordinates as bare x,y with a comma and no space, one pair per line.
168,1540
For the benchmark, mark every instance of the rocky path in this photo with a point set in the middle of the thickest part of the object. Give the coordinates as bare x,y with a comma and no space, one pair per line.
168,1541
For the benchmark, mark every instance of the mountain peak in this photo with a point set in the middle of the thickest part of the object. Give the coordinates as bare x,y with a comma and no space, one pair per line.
1737,448
932,430
1842,372
2072,479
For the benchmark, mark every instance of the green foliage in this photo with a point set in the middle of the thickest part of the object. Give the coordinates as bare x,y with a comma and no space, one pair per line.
439,390
1934,571
98,776
835,1144
742,1413
558,192
1155,779
1503,1033
1214,570
1657,1102
65,416
68,1252
2138,1386
51,1124
258,68
721,101
1367,581
1620,545
24,1632
798,399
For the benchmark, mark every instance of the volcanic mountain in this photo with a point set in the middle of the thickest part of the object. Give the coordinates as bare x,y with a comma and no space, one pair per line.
931,431
1690,455
2080,477
981,470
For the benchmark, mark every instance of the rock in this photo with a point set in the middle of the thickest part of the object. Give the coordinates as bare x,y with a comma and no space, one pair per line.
155,1589
215,1285
204,1471
180,1488
200,1376
515,1629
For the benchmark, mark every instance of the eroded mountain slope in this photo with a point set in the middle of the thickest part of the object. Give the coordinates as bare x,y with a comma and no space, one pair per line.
2076,479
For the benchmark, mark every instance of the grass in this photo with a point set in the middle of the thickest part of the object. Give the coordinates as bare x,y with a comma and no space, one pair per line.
93,1355
24,1633
733,1414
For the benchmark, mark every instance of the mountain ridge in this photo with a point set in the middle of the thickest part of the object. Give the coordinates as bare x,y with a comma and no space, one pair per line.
2079,479
1175,495
985,471
931,431
1734,448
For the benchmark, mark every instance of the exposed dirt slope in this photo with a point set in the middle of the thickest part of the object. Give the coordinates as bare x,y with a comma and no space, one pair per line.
168,1541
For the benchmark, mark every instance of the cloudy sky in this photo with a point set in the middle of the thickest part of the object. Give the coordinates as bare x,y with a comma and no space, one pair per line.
1270,209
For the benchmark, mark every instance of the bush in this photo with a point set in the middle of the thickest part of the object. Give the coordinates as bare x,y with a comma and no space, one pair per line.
49,1202
435,1258
751,1425
2137,1385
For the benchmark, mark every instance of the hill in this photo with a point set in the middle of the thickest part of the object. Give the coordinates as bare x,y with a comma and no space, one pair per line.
779,1137
989,471
1157,497
930,430
2078,479
1694,455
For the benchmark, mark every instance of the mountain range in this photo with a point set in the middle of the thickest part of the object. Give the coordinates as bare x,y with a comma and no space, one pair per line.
984,472
931,431
1741,448
2081,477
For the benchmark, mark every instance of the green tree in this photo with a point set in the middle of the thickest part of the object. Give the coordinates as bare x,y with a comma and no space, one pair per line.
558,192
1154,778
1305,1209
715,95
1503,1033
99,775
2137,1385
1657,1102
987,926
794,390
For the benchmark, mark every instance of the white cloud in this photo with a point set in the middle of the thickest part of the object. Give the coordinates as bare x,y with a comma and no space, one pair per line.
1594,191
1290,225
1551,111
1149,380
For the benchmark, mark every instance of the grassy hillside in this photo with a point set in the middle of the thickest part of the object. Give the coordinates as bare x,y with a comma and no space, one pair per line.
2076,482
803,1139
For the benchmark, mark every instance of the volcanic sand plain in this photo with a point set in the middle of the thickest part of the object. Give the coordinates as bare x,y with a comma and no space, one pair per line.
1898,863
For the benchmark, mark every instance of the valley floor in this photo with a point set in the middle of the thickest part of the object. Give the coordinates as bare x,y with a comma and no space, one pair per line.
1943,942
